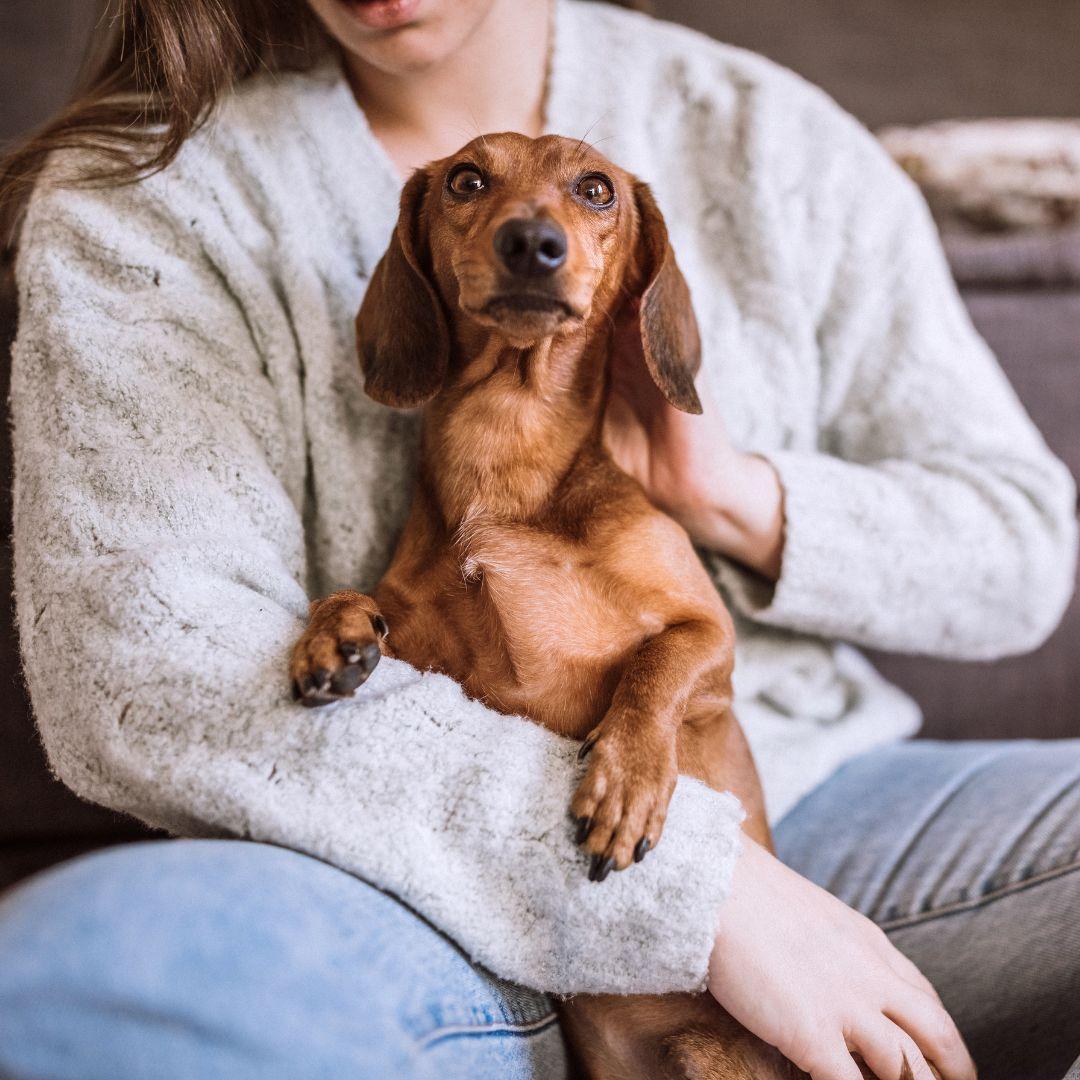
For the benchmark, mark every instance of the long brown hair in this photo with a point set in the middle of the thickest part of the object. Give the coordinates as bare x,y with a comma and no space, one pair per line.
154,71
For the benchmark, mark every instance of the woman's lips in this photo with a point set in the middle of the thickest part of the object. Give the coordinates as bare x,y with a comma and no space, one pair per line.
382,14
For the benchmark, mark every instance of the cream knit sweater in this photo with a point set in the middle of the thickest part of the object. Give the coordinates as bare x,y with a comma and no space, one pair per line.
195,457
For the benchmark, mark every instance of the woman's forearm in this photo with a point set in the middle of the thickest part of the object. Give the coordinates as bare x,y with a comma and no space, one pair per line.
739,512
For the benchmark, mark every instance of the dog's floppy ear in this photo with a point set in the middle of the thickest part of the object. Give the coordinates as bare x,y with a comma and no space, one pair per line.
669,329
401,332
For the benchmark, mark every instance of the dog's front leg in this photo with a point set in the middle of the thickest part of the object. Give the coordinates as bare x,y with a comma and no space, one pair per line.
339,648
622,801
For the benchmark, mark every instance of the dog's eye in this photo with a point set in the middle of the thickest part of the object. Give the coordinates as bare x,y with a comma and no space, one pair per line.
596,190
465,180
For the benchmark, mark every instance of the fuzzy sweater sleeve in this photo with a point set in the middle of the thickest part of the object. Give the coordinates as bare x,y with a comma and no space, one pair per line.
930,517
159,561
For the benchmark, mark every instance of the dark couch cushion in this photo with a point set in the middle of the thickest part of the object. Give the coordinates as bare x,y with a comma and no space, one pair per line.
1018,260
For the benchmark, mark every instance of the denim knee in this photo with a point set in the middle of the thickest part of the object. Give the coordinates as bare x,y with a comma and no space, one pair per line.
223,958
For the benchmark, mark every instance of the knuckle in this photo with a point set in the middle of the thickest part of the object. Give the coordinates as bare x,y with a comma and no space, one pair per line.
914,1058
876,935
808,1050
941,1031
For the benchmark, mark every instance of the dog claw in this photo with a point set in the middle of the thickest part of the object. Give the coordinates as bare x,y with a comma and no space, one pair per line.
584,827
586,746
600,867
641,849
350,652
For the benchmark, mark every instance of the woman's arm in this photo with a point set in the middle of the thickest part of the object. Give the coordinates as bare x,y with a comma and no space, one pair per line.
931,517
159,559
934,518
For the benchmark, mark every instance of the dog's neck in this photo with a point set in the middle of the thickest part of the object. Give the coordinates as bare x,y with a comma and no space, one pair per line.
504,432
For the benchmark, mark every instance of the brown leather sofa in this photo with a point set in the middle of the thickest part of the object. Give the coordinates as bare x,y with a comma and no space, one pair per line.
885,62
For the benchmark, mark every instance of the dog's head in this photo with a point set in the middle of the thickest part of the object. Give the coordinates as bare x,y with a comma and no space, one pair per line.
527,240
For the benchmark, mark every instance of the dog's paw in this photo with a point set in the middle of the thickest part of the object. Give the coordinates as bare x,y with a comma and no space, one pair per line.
621,803
339,649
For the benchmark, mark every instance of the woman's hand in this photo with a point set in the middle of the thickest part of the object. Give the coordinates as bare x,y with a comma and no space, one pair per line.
727,501
812,977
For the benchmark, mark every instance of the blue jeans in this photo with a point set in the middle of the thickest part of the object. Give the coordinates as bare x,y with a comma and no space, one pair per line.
204,959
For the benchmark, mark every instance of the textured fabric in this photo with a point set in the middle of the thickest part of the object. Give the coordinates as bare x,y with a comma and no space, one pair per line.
968,855
204,959
195,457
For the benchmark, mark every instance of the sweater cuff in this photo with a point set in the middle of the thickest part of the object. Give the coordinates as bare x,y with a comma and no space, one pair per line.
821,589
662,944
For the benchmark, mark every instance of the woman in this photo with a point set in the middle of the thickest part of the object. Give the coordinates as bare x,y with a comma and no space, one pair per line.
195,457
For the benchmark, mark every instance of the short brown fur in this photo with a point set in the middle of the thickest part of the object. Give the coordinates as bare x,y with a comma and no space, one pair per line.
532,570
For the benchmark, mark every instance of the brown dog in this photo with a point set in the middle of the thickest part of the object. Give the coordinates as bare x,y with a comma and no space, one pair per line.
531,569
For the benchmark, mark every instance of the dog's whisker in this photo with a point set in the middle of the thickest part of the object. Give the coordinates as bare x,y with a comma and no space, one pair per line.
580,149
479,132
462,130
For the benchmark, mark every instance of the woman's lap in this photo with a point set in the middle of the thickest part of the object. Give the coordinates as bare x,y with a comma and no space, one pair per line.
222,958
227,959
968,854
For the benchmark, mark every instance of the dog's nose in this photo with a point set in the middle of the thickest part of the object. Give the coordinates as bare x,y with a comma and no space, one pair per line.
530,247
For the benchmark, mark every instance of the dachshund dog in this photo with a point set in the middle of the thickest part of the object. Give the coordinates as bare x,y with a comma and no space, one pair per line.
531,569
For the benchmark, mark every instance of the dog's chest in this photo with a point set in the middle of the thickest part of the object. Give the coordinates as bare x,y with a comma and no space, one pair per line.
552,621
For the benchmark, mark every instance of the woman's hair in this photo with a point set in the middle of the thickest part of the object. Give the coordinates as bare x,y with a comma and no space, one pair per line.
154,71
